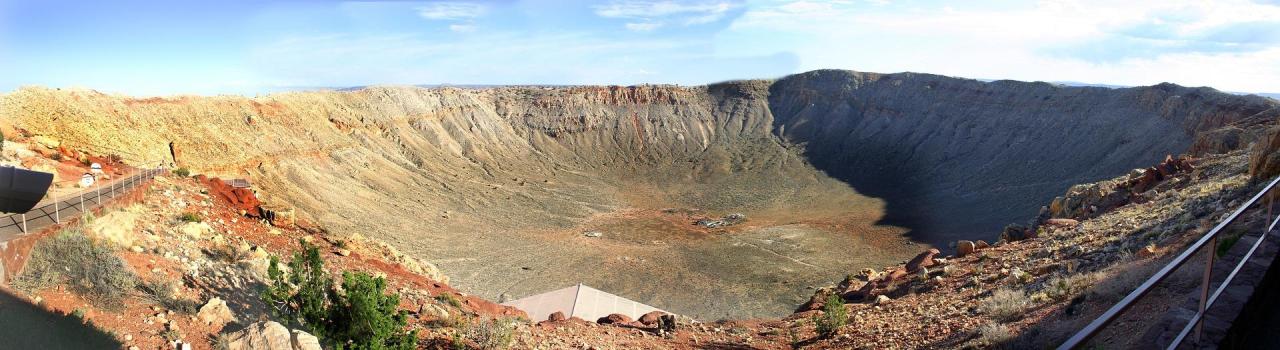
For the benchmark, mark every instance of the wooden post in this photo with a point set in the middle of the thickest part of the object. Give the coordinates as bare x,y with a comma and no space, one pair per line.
1211,252
57,217
24,222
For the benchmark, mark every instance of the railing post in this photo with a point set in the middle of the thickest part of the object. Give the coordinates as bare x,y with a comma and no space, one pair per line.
24,222
57,217
1266,225
1204,287
81,202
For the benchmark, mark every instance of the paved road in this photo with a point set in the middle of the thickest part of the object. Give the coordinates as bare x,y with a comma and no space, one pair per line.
68,206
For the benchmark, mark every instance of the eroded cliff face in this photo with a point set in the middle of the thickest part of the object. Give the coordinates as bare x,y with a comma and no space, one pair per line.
831,168
958,158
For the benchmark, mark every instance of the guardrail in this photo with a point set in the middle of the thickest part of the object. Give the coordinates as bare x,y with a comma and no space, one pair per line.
53,208
1209,240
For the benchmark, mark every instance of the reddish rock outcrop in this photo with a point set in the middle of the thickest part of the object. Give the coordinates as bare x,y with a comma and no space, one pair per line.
242,199
614,318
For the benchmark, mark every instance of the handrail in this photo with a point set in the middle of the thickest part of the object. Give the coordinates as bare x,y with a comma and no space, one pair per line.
1205,301
94,194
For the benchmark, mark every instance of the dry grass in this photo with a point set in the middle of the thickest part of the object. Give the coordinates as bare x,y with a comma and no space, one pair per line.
1005,304
90,269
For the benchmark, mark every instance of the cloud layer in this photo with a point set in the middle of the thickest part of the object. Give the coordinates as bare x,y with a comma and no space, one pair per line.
250,47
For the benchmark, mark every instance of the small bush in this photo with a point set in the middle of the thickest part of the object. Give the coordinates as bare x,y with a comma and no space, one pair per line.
91,270
449,298
226,253
1005,304
1064,287
182,172
993,335
190,217
56,156
833,316
160,291
492,333
361,317
793,335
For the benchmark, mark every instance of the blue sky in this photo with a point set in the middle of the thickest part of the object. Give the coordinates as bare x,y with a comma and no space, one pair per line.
249,47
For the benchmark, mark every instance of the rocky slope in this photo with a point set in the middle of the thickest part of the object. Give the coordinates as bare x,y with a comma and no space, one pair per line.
831,168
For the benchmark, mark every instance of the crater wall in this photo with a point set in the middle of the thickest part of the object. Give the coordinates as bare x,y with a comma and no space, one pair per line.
836,170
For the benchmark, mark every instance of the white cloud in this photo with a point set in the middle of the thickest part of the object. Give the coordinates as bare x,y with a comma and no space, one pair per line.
655,14
462,28
451,10
1230,45
643,27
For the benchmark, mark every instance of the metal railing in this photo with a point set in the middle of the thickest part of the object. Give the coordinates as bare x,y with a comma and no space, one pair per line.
74,202
1209,240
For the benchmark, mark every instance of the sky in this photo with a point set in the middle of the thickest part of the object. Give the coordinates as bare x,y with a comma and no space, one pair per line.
152,48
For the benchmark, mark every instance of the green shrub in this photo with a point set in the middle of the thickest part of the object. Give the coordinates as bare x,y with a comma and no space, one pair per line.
361,317
182,172
91,270
832,318
190,217
365,318
302,297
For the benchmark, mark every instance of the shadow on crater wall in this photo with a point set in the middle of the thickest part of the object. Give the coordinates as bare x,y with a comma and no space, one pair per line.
959,159
27,326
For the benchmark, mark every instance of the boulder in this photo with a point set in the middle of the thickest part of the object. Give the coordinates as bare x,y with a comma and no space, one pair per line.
1015,232
881,299
614,318
816,301
264,335
964,248
923,260
981,244
651,318
215,312
433,311
305,341
117,227
195,230
556,316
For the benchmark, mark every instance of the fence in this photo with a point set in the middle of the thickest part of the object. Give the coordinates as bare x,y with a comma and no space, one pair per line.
1210,242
